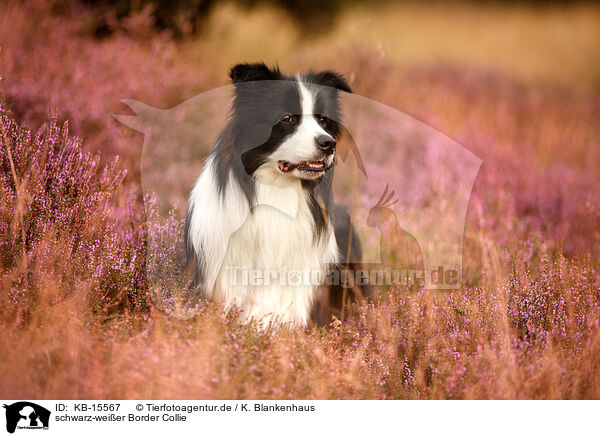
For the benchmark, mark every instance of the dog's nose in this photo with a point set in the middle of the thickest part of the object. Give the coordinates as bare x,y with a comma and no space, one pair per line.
326,143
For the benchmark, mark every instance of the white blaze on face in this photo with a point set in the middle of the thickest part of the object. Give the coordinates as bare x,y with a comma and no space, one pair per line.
301,145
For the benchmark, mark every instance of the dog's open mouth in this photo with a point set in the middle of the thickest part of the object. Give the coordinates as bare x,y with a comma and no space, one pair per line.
306,166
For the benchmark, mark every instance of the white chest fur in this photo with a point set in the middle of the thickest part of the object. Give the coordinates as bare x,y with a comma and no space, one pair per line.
272,261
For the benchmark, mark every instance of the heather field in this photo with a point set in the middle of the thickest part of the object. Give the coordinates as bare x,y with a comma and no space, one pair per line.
517,85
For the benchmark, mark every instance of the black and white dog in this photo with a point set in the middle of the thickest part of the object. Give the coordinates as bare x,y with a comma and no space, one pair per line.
262,230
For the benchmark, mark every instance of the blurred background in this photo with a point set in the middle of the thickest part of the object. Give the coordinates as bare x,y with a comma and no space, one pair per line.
553,40
516,83
81,57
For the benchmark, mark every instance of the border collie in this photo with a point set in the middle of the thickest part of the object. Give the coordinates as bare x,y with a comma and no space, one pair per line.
262,209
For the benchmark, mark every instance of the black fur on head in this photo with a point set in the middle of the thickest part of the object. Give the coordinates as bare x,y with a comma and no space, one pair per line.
251,72
262,95
331,79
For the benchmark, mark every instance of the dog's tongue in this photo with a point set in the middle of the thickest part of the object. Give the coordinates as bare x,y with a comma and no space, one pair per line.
288,166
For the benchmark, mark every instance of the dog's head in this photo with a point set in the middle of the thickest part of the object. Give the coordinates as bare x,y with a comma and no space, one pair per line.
286,126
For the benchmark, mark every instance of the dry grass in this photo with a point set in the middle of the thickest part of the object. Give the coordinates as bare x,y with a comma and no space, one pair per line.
516,86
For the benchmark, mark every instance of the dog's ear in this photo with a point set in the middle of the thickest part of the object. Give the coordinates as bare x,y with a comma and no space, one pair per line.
251,72
333,80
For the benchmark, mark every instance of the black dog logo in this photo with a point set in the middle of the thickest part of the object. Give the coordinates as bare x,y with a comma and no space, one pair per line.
26,415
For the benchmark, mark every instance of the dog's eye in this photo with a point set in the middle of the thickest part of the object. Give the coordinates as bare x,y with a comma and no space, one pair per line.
287,118
322,119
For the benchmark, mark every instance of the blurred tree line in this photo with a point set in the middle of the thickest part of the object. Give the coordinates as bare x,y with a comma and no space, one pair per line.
184,16
181,16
